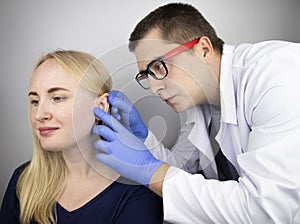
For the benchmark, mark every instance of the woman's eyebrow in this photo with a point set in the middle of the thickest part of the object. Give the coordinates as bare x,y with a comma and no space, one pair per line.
32,93
51,90
54,89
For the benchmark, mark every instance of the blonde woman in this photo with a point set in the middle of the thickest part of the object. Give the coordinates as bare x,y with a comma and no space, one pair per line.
62,183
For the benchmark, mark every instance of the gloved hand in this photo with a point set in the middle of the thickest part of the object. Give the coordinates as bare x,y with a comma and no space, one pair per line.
123,151
124,111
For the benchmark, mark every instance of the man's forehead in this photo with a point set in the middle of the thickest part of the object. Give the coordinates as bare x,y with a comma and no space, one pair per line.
149,49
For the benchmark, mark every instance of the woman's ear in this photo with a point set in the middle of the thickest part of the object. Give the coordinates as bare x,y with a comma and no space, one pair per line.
102,102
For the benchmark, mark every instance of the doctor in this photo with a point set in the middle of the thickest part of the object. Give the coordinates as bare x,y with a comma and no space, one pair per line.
246,96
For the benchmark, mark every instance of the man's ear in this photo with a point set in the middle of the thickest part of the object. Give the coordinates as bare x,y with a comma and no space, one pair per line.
204,49
102,102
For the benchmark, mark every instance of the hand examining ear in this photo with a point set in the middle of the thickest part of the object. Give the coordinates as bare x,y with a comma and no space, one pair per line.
124,111
123,151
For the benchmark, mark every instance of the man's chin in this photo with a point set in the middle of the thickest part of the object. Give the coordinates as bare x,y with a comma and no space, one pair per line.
178,108
182,108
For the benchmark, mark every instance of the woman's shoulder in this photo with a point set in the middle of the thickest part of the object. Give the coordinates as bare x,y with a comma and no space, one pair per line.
133,192
17,172
140,204
129,192
130,187
22,166
9,212
20,169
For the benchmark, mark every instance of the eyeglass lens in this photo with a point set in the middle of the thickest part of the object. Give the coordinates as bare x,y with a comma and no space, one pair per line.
142,79
157,69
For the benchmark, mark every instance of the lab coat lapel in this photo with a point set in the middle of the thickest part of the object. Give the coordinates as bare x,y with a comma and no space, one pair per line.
228,135
199,137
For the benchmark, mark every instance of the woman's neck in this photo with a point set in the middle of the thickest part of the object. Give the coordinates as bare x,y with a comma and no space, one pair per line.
76,163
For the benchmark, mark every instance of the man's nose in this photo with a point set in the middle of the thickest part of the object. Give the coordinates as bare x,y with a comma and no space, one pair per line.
155,85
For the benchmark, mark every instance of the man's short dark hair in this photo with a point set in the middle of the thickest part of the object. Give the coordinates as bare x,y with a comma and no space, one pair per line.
177,22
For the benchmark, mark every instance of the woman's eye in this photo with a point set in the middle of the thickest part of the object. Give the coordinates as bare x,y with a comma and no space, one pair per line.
34,102
58,99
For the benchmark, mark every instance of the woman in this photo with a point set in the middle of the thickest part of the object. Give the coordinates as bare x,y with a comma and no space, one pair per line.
63,183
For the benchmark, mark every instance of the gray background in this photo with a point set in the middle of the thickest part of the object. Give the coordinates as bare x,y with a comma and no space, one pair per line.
32,27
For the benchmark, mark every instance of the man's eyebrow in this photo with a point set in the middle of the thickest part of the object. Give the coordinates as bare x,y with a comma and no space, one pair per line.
54,89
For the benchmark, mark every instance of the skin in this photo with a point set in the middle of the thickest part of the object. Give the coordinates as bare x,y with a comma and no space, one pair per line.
54,116
193,79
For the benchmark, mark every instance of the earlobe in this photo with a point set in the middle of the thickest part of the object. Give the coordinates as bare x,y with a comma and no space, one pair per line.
102,102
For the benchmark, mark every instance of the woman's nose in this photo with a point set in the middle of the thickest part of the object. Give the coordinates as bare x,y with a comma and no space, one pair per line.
43,112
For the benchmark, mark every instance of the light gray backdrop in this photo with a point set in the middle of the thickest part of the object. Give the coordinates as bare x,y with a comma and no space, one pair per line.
32,27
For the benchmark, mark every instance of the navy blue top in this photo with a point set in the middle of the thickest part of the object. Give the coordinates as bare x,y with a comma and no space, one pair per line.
118,203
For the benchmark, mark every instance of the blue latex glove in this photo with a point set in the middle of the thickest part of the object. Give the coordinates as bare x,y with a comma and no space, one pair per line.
123,151
124,111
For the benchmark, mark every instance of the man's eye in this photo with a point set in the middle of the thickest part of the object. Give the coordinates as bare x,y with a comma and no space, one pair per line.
142,76
158,66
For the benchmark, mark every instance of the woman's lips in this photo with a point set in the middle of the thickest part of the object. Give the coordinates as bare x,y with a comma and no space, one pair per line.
45,131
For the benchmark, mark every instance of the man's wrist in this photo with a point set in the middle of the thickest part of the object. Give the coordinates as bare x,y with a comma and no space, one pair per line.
157,179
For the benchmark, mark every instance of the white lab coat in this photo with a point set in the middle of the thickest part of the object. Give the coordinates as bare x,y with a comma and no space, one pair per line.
259,134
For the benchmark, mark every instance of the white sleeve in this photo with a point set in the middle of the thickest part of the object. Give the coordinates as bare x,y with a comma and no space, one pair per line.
192,199
183,154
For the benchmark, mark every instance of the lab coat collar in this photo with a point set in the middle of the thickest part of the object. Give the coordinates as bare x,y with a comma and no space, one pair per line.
199,135
227,88
198,114
228,101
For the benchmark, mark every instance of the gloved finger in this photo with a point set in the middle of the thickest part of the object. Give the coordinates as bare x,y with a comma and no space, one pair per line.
104,131
114,110
115,94
108,119
103,146
120,100
115,113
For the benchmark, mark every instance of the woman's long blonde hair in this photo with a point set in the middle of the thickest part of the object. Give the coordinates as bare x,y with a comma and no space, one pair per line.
43,180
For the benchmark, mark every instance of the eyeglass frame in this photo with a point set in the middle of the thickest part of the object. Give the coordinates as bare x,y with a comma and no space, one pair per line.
178,50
